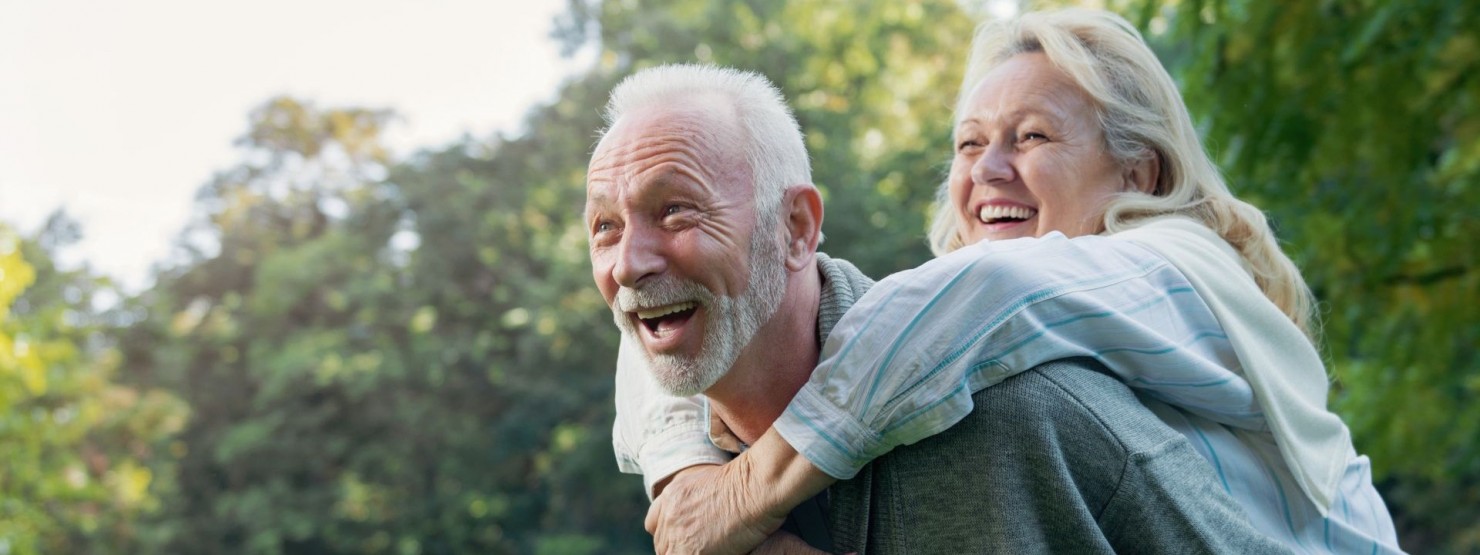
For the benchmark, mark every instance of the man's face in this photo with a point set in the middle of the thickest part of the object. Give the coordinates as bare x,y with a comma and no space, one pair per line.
676,249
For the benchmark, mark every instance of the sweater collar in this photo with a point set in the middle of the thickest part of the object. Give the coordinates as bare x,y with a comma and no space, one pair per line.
842,285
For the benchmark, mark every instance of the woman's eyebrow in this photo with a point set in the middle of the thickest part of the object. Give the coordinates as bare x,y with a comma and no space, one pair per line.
1017,114
1025,113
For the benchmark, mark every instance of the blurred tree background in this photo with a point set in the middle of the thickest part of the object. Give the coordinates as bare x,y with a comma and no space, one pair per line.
365,354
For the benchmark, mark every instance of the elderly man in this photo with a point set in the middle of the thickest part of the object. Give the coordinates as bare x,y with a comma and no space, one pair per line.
703,226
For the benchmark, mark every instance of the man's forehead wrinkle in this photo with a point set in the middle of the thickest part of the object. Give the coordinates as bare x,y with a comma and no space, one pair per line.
666,156
662,134
692,148
657,149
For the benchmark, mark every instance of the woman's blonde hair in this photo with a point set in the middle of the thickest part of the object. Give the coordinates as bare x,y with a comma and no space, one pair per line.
1142,115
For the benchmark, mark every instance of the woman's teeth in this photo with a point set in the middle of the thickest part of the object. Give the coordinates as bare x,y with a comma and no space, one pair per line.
994,213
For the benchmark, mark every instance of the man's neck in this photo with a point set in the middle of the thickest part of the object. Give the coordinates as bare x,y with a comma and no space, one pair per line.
775,365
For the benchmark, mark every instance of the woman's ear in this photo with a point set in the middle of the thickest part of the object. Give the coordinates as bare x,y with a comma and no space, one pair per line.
1143,175
803,209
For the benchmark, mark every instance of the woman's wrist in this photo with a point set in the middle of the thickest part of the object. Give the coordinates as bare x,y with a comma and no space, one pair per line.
774,478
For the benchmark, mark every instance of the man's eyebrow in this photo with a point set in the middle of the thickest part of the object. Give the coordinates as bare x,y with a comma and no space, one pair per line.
597,201
670,179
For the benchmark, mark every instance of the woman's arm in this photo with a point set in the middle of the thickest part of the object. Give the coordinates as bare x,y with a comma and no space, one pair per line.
904,361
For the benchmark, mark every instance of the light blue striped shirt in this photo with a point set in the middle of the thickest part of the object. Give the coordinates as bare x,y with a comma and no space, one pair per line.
903,363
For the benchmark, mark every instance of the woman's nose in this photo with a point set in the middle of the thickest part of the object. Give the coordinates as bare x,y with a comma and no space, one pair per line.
994,166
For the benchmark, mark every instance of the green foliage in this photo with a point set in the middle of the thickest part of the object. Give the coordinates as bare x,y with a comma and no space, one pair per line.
72,441
371,362
1353,124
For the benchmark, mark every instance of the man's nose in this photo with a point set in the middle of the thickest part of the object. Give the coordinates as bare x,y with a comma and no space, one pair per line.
994,166
639,254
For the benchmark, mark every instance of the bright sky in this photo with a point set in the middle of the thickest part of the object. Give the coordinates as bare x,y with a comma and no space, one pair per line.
118,111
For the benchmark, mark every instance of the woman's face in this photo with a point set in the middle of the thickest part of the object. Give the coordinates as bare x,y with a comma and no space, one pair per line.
1030,156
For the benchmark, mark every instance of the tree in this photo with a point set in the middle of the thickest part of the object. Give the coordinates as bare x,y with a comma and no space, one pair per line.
72,440
1351,123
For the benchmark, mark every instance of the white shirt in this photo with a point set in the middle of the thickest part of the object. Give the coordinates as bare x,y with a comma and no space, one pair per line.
656,434
903,363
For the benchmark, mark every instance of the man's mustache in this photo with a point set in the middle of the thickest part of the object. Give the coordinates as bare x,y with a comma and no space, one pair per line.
661,291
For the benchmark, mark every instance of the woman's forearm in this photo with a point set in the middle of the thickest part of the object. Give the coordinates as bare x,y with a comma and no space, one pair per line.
774,477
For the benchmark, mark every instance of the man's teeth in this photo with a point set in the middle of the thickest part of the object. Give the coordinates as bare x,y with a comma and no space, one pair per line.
992,212
664,310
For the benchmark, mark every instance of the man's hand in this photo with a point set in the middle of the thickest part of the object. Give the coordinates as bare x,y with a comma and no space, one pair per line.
699,511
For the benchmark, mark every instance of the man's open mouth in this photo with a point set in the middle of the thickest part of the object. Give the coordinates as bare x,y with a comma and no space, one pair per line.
666,317
1001,214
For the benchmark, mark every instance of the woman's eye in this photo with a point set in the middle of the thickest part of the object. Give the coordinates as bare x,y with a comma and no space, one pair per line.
1034,136
672,209
603,226
963,145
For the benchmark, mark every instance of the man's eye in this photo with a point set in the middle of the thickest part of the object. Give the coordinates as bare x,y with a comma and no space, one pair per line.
603,226
672,209
1034,136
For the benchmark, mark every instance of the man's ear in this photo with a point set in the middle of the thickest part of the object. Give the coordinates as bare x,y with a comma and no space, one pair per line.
803,210
1143,175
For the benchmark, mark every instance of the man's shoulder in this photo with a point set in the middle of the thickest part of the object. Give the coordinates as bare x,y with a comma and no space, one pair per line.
1082,387
1041,464
1027,469
1075,404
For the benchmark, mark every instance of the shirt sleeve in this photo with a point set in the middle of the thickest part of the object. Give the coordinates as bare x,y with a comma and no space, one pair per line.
904,361
656,434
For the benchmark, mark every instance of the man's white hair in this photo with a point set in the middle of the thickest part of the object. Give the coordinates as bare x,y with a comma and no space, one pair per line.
773,140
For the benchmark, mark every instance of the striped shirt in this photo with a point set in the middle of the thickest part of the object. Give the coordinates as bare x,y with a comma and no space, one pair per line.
903,363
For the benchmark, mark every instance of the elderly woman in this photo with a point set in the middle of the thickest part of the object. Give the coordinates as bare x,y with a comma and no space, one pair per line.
1069,133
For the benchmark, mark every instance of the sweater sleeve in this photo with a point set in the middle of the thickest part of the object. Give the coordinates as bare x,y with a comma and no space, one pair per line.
904,362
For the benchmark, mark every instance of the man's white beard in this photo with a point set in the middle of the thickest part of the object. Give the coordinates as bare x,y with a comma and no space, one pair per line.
730,322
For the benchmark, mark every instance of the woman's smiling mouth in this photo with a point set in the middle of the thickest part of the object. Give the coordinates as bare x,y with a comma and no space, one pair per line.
1002,213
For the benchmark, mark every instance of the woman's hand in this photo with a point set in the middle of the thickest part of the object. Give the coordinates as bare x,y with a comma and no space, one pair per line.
735,507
